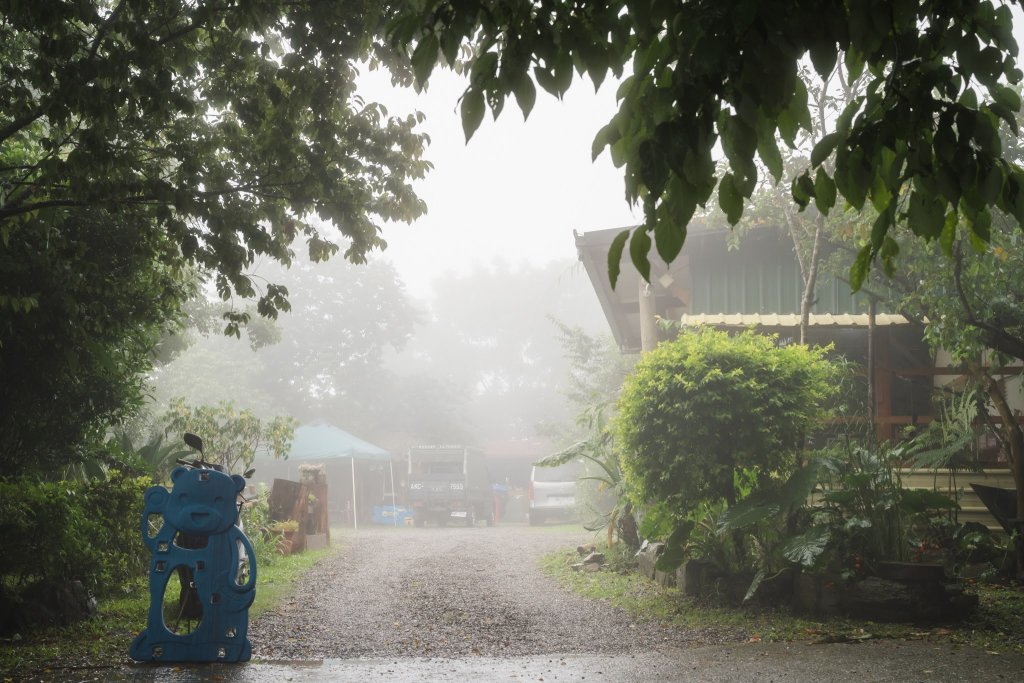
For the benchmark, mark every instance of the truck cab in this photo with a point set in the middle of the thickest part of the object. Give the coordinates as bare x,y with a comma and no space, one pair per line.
449,483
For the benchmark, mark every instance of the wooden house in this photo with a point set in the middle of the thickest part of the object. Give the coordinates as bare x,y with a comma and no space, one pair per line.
756,283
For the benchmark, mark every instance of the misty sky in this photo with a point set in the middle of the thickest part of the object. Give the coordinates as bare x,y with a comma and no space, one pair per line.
516,192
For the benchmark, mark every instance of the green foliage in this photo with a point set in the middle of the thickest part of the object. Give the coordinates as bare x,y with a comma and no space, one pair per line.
255,518
73,364
950,441
53,532
231,437
699,409
140,144
596,372
704,73
157,457
231,131
867,513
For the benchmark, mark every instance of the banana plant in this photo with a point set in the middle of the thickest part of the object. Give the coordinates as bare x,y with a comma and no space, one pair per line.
606,473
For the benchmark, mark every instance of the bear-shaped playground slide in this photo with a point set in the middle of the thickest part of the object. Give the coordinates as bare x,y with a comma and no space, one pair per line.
201,543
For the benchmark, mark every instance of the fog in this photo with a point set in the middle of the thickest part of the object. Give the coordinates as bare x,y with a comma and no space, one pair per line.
451,333
479,362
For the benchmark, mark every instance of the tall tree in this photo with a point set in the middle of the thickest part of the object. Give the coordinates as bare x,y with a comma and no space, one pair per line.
75,343
139,140
323,358
231,128
343,321
709,74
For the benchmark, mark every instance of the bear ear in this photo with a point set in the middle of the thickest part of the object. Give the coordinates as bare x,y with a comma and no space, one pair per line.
239,482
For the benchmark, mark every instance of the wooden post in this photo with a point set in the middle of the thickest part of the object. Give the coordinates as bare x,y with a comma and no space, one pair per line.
871,363
648,326
883,386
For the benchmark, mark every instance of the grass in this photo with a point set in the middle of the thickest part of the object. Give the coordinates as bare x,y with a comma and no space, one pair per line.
104,640
997,626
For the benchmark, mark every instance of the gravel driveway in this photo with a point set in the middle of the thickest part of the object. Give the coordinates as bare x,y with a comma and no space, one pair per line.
451,592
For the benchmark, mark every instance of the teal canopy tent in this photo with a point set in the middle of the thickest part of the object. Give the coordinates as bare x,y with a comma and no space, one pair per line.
321,441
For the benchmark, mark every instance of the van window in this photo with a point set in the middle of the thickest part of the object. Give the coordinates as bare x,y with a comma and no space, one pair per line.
570,471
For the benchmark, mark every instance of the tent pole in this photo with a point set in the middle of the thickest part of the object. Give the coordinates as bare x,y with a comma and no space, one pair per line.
394,508
355,514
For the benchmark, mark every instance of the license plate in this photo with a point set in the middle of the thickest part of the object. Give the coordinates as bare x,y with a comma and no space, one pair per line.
458,513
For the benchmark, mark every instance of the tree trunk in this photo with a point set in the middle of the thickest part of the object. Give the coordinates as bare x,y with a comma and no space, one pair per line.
810,279
628,532
1013,442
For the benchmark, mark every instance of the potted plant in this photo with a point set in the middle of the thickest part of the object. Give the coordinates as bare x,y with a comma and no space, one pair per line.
285,531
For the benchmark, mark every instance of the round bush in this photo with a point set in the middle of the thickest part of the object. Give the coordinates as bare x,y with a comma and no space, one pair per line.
697,410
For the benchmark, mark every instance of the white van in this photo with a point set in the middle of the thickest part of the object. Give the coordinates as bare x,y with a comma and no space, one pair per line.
552,492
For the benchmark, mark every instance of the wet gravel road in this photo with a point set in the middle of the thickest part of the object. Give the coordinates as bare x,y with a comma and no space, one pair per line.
451,592
472,606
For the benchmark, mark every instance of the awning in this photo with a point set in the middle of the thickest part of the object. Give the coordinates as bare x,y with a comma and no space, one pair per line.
320,441
324,441
790,320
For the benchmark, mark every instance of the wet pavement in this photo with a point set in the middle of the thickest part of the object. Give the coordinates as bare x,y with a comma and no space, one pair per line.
472,605
870,662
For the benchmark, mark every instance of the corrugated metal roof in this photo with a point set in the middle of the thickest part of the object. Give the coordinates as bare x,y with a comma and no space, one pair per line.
790,320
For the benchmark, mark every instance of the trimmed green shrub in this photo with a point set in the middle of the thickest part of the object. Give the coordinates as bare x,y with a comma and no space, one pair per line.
709,417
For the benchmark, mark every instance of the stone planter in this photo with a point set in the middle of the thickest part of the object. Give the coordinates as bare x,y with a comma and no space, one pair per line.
921,593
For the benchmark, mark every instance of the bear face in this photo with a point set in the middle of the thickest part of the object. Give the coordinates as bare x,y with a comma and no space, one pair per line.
202,501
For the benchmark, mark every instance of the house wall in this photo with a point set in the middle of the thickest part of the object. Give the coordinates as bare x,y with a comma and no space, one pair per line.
763,276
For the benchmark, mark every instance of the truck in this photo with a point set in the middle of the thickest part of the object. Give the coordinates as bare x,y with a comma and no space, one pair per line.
449,483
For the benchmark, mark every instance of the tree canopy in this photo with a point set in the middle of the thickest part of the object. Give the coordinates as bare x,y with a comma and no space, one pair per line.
144,142
232,129
919,145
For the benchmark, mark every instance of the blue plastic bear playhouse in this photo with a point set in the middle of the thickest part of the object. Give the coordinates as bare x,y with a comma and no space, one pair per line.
200,543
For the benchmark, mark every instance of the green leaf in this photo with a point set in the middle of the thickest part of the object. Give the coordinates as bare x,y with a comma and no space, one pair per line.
746,513
424,57
1007,96
768,150
546,79
824,55
669,237
615,256
860,268
755,583
563,72
472,110
926,215
806,548
823,150
484,68
526,95
922,500
824,191
639,247
803,190
675,547
653,166
730,199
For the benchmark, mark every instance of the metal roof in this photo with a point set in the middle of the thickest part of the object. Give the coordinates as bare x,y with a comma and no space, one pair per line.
790,319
